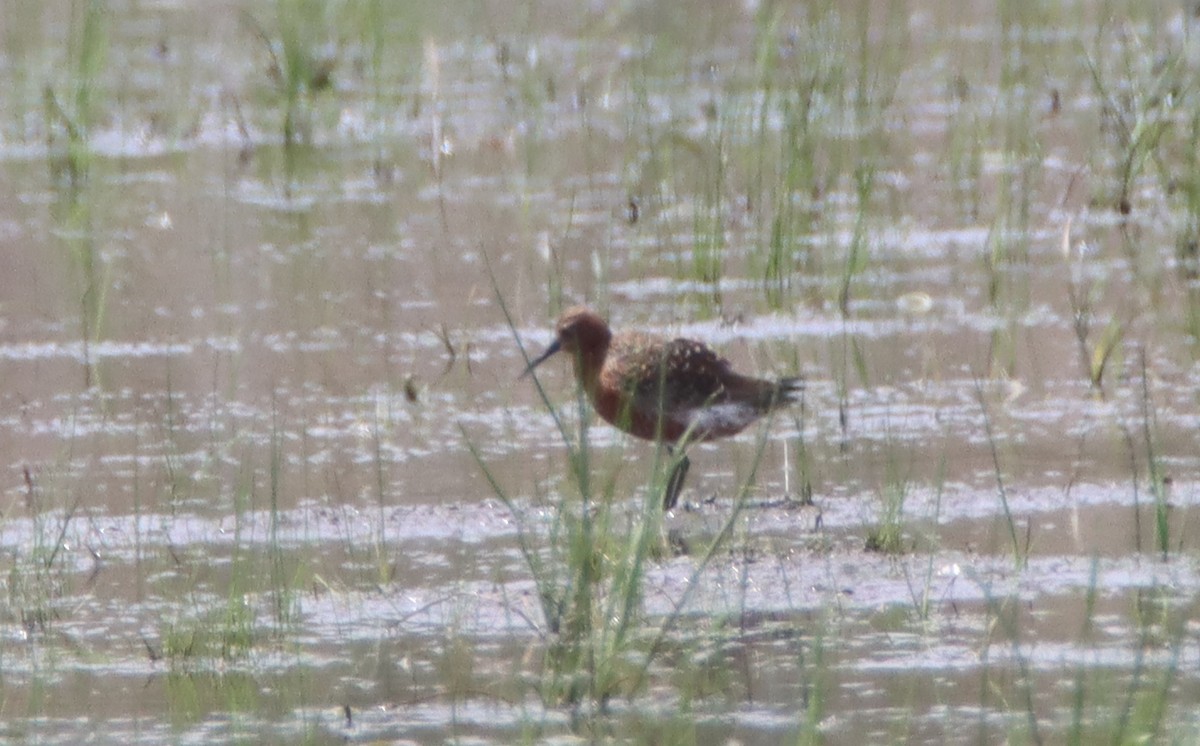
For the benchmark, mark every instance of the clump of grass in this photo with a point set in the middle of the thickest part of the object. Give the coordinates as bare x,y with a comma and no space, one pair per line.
282,576
86,53
814,691
1121,705
229,629
1086,636
589,579
589,582
858,253
226,633
303,59
1003,617
1158,481
590,573
887,536
1098,356
1138,107
1184,185
1156,475
793,166
801,464
456,665
920,591
39,575
260,604
69,120
1020,550
1101,712
1181,183
815,80
709,243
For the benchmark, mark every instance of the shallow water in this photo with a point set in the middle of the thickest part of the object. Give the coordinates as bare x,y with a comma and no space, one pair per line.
241,378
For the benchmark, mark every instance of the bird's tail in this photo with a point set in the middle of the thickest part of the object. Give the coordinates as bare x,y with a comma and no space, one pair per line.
788,390
763,393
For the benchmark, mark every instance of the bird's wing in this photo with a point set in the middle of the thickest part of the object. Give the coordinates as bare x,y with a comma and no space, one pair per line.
685,374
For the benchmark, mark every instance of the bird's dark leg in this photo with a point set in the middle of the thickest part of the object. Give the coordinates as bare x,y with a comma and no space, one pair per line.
675,481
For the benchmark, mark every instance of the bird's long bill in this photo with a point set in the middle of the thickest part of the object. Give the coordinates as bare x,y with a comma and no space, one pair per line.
554,347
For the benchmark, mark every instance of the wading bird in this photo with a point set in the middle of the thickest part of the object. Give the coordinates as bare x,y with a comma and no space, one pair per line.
673,391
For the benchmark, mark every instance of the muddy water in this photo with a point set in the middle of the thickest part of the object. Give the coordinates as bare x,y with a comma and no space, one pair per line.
240,377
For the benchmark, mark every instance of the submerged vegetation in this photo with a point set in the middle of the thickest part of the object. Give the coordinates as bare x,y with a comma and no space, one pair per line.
272,478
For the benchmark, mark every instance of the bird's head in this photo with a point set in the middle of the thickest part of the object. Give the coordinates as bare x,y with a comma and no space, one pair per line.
579,332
